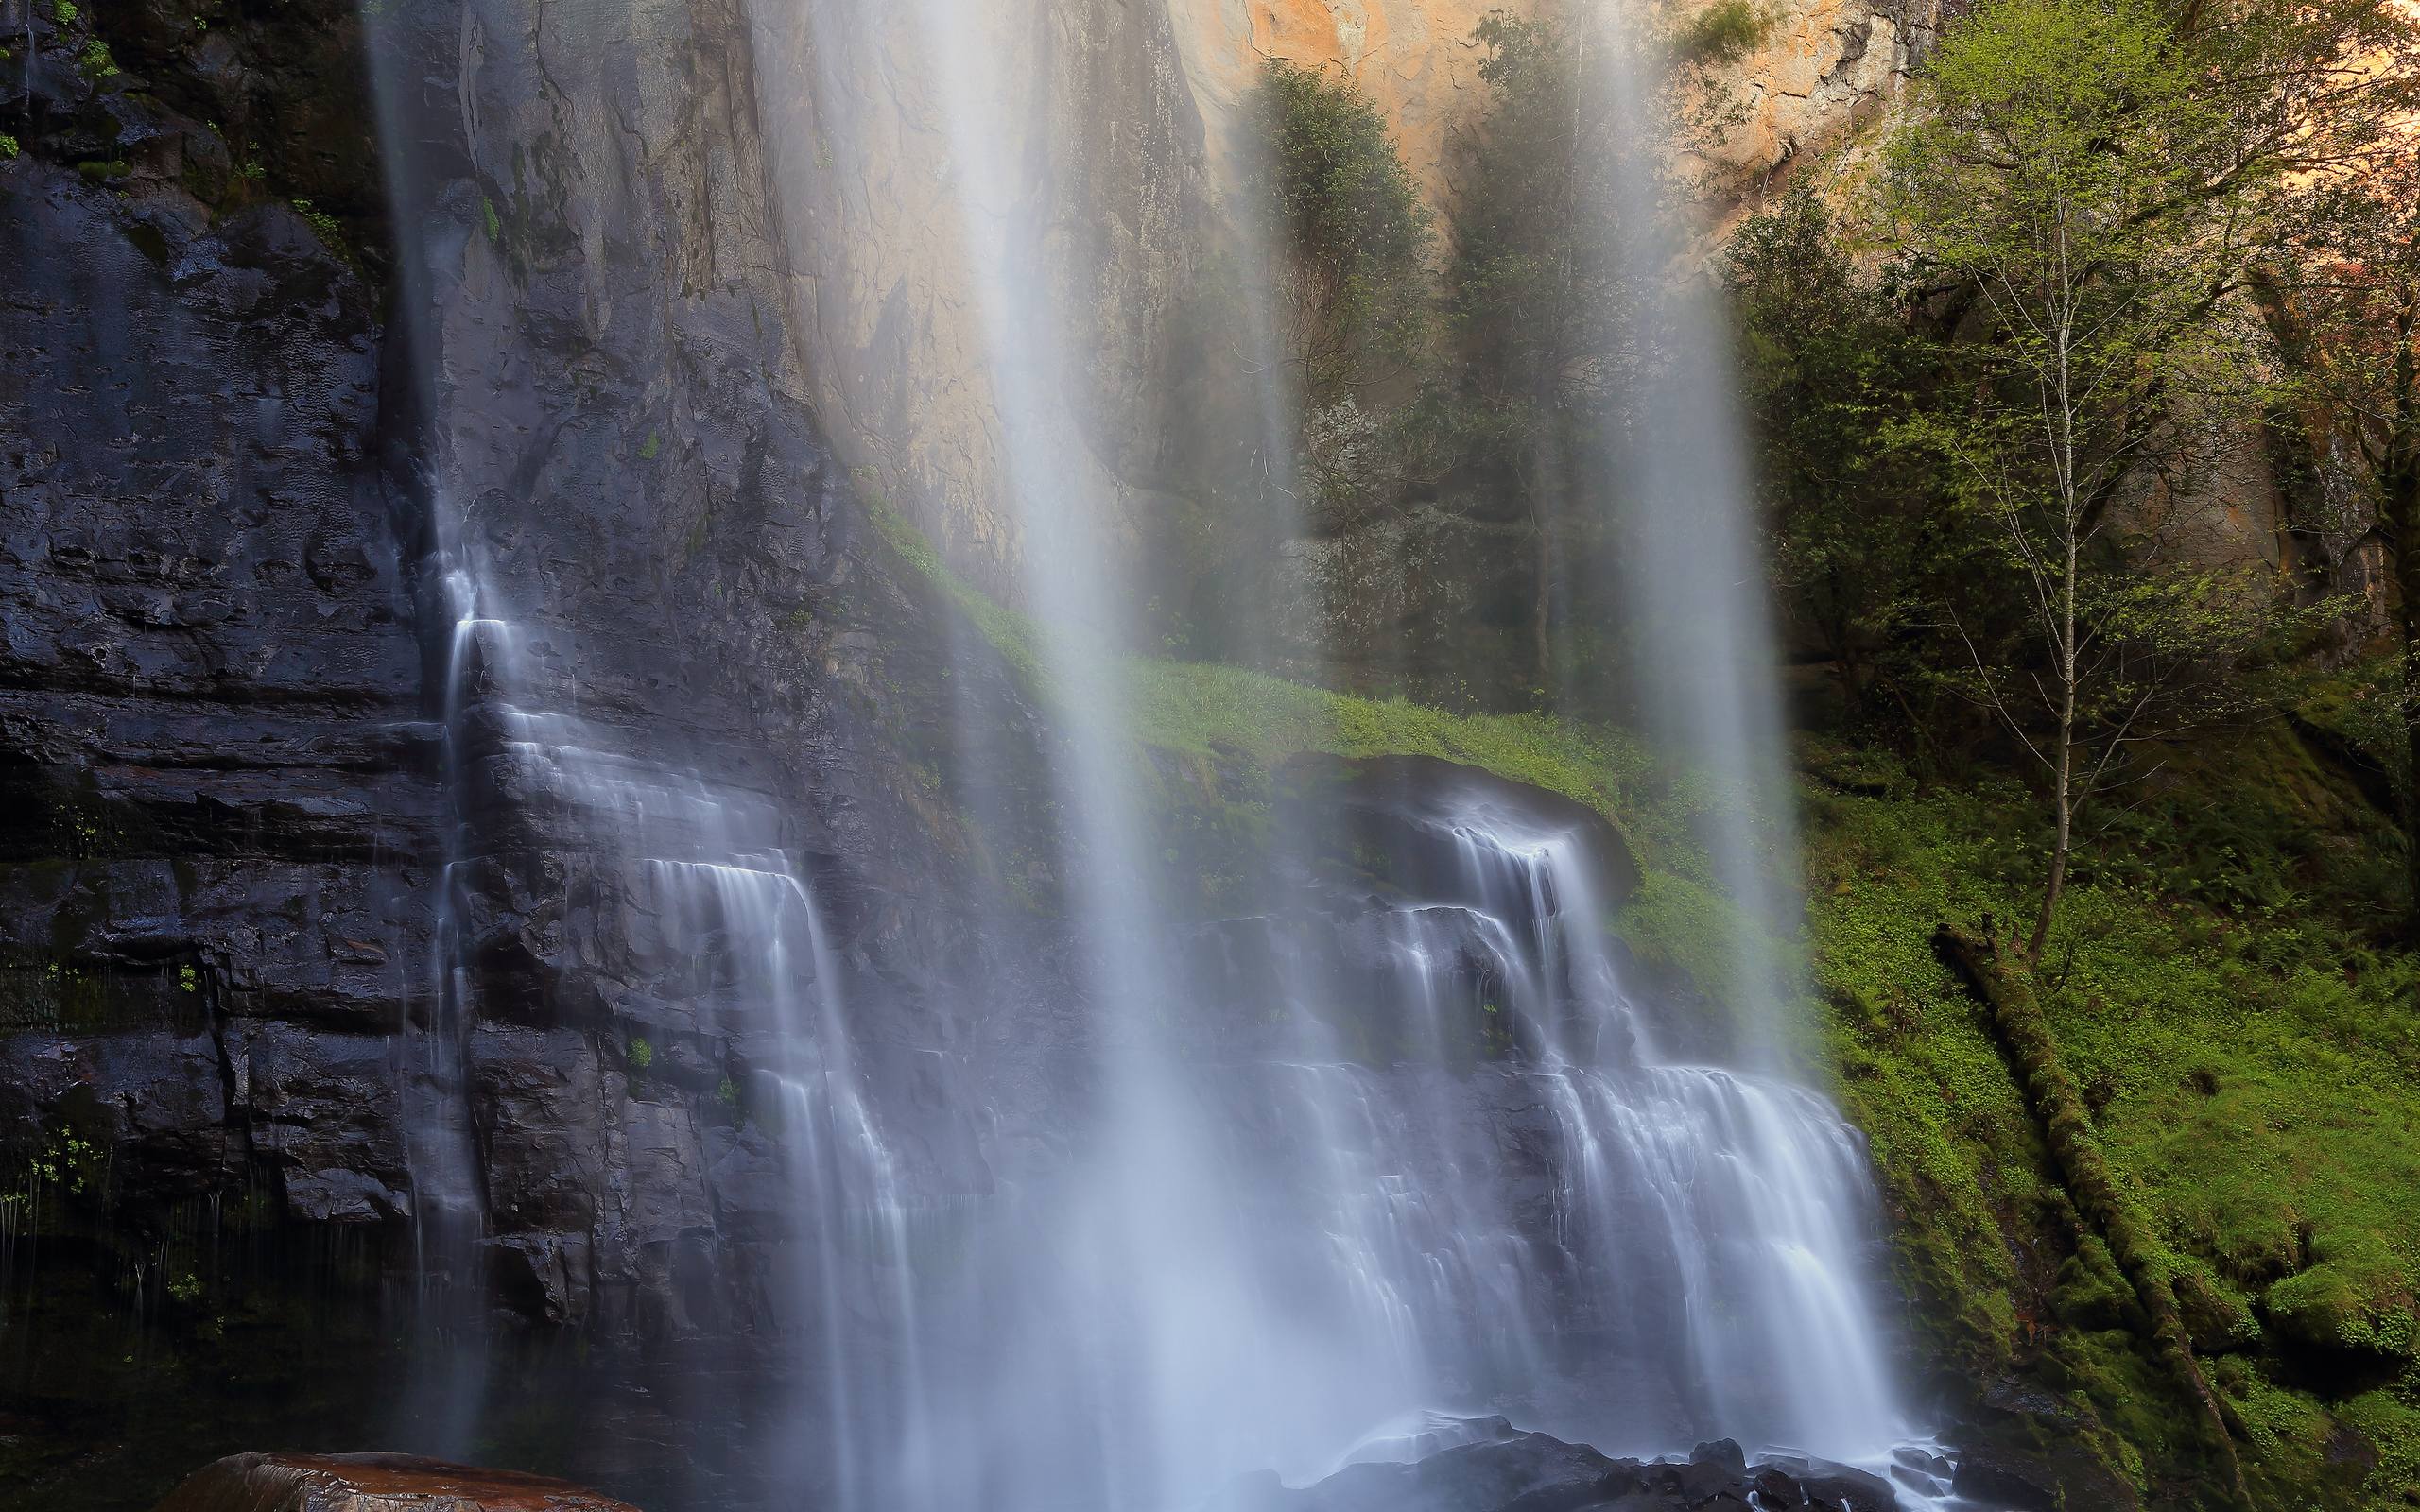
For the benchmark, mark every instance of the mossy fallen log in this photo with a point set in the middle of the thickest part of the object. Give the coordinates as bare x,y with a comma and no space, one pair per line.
2058,1106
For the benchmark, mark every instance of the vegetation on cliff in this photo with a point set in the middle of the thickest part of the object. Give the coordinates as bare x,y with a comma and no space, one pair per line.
2146,1131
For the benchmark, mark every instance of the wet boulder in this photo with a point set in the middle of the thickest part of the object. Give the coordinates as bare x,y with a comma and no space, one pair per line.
1509,1472
372,1482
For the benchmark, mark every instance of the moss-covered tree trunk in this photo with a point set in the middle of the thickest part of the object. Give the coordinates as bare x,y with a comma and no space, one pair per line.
2058,1106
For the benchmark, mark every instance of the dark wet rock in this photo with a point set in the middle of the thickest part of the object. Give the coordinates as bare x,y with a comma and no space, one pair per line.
1535,1472
1777,1491
1722,1454
2010,1478
372,1482
219,802
1470,1478
1401,808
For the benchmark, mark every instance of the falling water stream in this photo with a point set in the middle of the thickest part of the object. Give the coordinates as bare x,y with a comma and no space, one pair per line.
1382,1148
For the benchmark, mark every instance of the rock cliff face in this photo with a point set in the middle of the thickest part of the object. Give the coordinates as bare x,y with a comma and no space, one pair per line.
1122,153
302,933
221,803
372,559
1107,208
247,741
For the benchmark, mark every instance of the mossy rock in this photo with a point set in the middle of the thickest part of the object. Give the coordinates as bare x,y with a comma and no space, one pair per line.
2323,1311
2216,1321
2092,1294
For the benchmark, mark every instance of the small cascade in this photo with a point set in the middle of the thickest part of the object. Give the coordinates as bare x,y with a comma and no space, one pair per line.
697,921
1568,1228
1460,1181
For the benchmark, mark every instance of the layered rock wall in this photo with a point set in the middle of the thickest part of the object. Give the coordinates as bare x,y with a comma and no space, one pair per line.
221,803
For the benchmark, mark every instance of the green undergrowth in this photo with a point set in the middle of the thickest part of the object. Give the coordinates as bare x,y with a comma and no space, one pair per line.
2250,1055
1218,711
1206,719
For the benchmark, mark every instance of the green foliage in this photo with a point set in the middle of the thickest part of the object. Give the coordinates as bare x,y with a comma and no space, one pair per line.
326,227
1724,32
1547,340
2077,119
1206,708
640,1054
2060,181
1532,266
2249,1062
64,11
1347,277
1349,219
727,1092
1013,635
7,147
648,448
68,1162
2359,712
493,222
95,61
1868,542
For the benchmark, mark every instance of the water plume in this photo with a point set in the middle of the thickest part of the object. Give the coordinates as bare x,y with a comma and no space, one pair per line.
1396,1137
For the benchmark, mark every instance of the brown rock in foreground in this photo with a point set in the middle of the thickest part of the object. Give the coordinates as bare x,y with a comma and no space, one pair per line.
372,1482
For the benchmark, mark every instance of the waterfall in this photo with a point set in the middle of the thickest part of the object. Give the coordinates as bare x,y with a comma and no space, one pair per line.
1695,601
1273,1191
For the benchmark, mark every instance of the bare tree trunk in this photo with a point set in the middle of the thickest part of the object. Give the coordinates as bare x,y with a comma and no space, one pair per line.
2066,1121
2403,519
2062,777
2399,477
2062,414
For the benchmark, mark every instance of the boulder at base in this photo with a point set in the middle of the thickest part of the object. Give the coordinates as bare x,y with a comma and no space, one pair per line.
372,1482
1510,1472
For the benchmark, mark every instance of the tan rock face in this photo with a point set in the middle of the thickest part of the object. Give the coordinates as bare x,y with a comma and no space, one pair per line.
1415,59
1823,69
372,1482
1083,180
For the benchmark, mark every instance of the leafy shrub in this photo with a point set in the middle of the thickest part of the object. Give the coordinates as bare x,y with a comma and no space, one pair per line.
1724,32
1352,234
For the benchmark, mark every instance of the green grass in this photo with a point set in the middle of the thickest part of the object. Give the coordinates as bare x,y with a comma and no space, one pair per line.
1214,709
2252,1063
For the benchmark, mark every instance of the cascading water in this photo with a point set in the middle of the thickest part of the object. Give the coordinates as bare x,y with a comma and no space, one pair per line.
1399,1142
1583,1234
716,932
1307,1244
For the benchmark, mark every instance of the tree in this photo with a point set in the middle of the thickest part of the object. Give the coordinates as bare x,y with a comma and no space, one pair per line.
1353,234
2067,177
2344,298
1535,293
1864,538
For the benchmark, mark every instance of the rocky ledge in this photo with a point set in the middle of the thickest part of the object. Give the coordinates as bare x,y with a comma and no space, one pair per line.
372,1482
1509,1472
